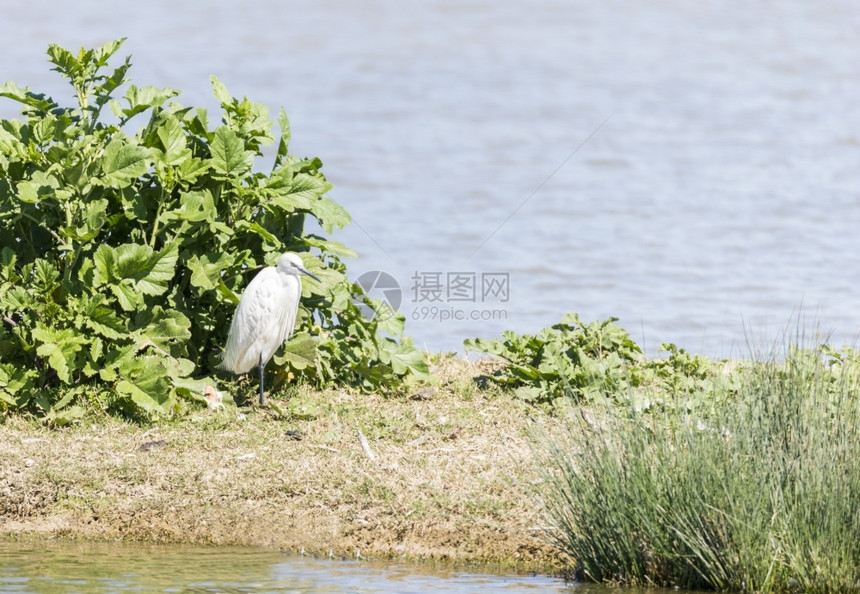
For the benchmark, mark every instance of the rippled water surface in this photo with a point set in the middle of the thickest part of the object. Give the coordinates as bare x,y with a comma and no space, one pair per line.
691,168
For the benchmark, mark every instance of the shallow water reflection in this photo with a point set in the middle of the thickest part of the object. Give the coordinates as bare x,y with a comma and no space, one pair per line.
76,566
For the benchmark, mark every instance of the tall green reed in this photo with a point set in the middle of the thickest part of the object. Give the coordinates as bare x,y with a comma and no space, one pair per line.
761,492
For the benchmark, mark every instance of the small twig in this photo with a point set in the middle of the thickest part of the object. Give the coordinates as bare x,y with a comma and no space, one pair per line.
437,451
418,440
365,446
151,445
588,421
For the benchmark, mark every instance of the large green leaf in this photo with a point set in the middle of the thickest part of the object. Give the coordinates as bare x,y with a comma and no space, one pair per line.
94,220
142,99
161,328
127,295
104,265
404,359
299,352
38,102
56,359
17,384
42,131
102,319
6,394
147,396
193,388
229,157
123,163
60,347
160,269
149,272
259,230
284,142
194,206
101,54
66,61
303,193
10,145
16,298
173,141
145,379
132,260
221,93
206,270
190,170
330,246
330,214
41,186
110,83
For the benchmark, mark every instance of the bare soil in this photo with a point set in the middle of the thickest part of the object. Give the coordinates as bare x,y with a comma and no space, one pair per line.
446,474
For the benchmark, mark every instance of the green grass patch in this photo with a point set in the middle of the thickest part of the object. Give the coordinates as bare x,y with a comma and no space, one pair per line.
759,492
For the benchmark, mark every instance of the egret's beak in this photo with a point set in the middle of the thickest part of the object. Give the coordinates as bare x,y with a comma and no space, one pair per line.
303,271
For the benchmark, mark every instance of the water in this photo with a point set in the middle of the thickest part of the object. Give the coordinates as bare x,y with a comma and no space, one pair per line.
77,566
688,167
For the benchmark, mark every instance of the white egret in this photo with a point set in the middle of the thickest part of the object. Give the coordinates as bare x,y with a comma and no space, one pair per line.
265,317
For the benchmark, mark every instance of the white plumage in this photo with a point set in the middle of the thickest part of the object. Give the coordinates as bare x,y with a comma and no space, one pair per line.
265,317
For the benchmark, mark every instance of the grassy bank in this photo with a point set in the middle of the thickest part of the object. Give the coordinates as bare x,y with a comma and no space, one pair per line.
739,476
445,482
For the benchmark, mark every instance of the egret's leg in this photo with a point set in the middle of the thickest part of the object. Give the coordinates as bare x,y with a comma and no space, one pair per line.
262,394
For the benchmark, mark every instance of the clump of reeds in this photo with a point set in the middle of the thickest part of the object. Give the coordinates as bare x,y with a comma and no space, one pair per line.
761,493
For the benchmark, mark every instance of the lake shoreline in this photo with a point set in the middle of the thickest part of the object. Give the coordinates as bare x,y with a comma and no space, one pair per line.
443,476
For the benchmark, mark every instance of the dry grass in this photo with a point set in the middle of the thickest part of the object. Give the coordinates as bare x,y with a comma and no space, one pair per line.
446,482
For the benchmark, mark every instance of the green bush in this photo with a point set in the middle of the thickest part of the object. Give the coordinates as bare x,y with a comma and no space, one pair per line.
571,358
597,362
122,253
